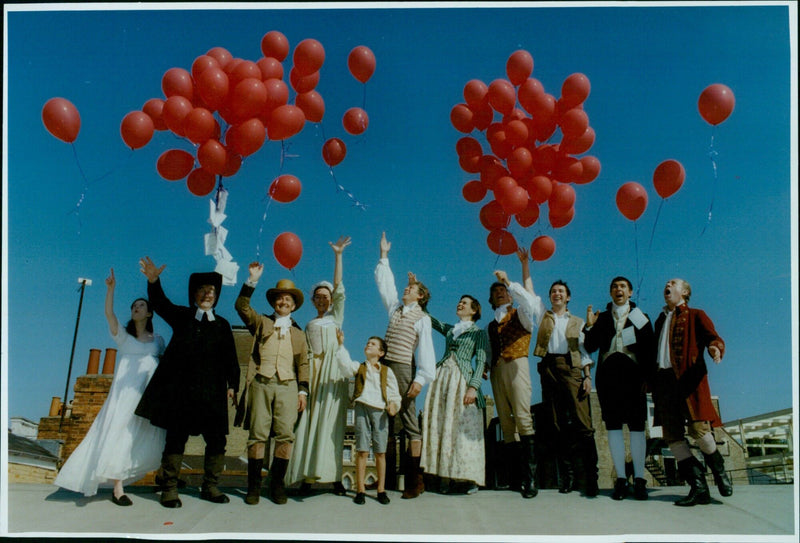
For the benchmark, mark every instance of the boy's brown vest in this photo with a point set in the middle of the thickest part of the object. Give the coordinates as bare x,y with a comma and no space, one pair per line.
361,377
574,327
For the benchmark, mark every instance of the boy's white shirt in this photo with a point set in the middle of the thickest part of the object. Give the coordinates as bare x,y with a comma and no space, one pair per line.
371,395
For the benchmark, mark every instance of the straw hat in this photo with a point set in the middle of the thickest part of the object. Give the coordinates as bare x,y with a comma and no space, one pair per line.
285,286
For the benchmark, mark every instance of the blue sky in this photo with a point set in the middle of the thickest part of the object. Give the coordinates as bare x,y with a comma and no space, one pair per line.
647,66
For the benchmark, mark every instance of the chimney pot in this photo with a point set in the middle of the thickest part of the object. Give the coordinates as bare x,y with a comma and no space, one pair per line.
94,362
109,361
55,406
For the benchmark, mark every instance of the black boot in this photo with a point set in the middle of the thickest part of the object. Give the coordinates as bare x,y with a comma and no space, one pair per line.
414,483
589,455
514,455
213,465
620,489
528,467
277,490
170,470
717,465
566,475
254,467
693,473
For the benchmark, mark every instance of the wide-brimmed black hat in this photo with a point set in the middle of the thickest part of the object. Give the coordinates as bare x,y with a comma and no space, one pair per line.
197,280
285,286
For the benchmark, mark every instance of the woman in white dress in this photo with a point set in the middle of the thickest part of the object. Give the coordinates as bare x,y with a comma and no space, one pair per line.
120,447
452,421
317,452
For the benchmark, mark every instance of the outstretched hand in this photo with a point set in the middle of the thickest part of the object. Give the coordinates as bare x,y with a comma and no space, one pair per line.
340,244
412,278
255,269
502,276
150,270
111,281
385,245
591,317
522,254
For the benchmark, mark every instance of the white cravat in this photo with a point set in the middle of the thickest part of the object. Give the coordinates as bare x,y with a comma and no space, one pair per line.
199,314
664,362
501,312
283,324
461,327
620,316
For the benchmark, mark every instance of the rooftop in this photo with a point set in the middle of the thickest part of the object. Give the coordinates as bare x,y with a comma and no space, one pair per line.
752,512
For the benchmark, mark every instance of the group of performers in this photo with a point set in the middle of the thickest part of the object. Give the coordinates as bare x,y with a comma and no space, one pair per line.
296,388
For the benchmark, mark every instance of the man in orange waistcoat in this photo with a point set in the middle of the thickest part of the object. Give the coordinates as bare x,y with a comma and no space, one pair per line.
509,339
681,392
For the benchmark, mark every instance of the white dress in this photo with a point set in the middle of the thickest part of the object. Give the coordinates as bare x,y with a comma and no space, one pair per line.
119,444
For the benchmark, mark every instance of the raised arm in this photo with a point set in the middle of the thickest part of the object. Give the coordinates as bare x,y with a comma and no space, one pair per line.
346,365
113,322
155,292
384,278
249,316
338,249
527,282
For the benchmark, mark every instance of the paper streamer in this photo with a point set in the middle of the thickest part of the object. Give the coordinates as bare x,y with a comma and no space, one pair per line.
214,241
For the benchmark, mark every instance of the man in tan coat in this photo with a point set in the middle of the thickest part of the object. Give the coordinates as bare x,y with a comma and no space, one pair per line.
277,381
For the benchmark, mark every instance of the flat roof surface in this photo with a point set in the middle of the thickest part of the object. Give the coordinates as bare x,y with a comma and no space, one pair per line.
753,513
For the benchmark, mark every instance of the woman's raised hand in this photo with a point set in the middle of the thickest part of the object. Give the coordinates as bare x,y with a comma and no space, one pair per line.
111,282
340,244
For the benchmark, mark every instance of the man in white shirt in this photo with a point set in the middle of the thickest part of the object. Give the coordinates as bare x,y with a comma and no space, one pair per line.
566,382
409,355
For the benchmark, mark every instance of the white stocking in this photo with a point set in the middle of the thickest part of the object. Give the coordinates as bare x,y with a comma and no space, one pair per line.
638,449
616,443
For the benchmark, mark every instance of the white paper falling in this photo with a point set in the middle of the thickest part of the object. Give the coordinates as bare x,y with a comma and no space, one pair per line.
214,241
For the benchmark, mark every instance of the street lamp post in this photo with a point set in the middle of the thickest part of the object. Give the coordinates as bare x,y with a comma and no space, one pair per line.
84,283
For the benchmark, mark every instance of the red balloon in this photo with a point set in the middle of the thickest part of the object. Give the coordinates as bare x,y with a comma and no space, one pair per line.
562,197
469,147
174,164
502,186
200,182
561,217
277,95
285,121
285,188
176,108
333,151
213,85
312,104
493,217
303,83
498,140
154,107
501,242
473,191
491,170
516,132
212,156
543,248
567,169
270,68
202,63
136,129
249,137
529,91
288,250
716,103
232,164
631,200
591,169
668,178
61,119
230,66
575,90
461,118
581,144
528,216
177,82
520,161
355,121
502,96
248,98
274,44
476,93
470,164
244,69
361,62
540,104
539,188
308,57
482,115
574,123
519,67
222,55
514,200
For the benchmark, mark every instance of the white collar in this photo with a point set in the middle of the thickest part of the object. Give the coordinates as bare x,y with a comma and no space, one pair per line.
461,327
199,314
410,306
620,310
501,312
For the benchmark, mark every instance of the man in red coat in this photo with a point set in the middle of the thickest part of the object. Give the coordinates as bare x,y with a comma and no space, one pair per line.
681,393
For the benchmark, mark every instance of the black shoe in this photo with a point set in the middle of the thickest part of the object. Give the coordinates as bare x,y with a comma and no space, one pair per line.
639,489
123,500
214,497
339,489
171,504
305,489
620,489
383,499
567,484
693,473
592,490
360,498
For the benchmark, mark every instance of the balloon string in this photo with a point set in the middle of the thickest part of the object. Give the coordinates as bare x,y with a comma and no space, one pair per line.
261,228
658,214
636,248
712,154
84,190
350,195
364,99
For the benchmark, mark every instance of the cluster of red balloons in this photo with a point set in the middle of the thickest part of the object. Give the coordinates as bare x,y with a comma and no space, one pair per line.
668,178
361,63
522,168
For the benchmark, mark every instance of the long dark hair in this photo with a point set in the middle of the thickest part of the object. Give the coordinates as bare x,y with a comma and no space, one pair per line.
131,327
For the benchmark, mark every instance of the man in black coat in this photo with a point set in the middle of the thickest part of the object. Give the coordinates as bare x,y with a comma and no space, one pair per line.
195,380
624,336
